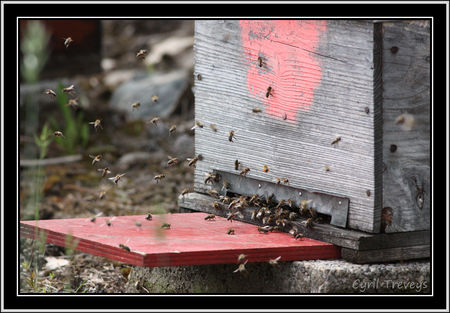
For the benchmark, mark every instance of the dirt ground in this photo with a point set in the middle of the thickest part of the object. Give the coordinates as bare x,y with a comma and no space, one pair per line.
72,190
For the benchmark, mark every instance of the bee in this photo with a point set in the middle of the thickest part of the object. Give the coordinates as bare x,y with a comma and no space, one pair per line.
217,206
197,124
73,103
214,193
116,178
260,61
265,229
185,191
308,223
225,199
172,161
148,217
303,207
406,120
367,110
265,168
241,257
193,161
230,231
312,212
368,192
233,214
199,76
213,127
226,185
141,53
327,168
290,203
155,98
254,213
268,92
292,216
135,105
154,121
159,177
97,123
165,226
274,261
172,129
124,247
281,221
278,180
270,198
241,267
236,165
231,136
138,224
69,89
58,134
104,171
299,236
210,217
102,194
67,41
253,199
293,231
93,219
285,180
210,177
280,204
284,116
244,171
108,222
336,140
50,92
256,110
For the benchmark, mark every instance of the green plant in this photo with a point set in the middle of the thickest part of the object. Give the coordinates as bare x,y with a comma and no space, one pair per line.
34,49
76,131
44,140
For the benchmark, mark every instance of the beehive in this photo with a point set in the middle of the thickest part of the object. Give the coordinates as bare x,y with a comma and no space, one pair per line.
345,117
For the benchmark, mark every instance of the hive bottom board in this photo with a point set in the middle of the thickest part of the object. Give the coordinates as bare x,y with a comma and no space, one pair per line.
357,246
191,240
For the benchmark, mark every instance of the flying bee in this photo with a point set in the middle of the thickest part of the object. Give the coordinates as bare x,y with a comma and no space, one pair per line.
214,193
233,214
50,92
138,224
244,171
154,121
241,267
256,110
124,247
230,231
292,216
193,161
135,105
268,92
104,171
102,194
67,41
285,180
197,124
278,180
217,206
172,161
303,207
336,140
260,61
274,261
172,129
116,178
165,226
236,165
213,127
265,229
73,103
108,222
210,217
225,199
96,158
159,177
231,136
141,54
308,223
148,217
155,98
58,134
184,192
241,257
97,123
265,168
210,177
69,89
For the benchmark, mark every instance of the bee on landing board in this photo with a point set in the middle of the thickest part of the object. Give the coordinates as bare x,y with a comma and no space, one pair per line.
184,192
124,247
269,92
230,231
210,217
244,171
165,226
336,140
149,217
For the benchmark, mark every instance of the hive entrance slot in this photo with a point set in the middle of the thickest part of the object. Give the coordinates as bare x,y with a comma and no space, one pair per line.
324,204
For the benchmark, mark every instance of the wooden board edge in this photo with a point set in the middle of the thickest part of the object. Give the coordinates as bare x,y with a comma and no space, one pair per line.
386,255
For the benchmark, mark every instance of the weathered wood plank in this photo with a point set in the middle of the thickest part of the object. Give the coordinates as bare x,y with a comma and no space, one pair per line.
322,77
351,239
386,255
406,146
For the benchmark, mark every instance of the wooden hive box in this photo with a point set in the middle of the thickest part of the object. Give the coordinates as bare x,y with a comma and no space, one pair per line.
346,121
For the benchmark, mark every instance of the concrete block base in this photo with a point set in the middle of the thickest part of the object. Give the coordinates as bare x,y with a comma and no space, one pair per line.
318,276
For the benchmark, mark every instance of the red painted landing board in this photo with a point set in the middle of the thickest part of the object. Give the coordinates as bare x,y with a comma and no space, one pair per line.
191,240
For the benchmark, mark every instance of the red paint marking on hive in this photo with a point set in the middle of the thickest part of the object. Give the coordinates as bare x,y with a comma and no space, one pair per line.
190,241
290,63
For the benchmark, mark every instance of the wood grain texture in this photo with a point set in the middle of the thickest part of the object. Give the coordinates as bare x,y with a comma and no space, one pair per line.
387,255
299,147
352,239
406,78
